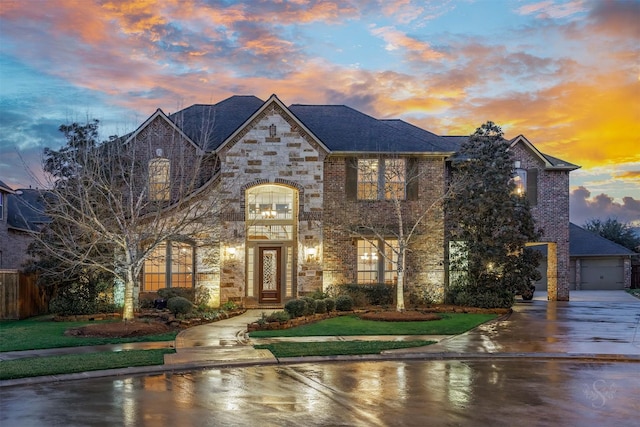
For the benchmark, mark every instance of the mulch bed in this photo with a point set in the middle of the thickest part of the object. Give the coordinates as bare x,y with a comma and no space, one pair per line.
120,329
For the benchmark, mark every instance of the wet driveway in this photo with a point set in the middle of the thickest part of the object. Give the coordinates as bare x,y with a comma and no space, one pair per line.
593,323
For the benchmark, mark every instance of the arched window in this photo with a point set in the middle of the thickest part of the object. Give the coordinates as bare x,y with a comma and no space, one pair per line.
270,212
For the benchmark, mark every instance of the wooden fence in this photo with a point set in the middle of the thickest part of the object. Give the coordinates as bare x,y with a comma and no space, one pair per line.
20,295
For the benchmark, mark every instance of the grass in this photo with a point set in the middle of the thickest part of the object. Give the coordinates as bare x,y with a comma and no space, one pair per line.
450,324
67,364
333,348
41,332
634,292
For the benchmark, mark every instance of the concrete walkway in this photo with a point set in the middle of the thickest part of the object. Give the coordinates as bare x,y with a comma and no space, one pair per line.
603,325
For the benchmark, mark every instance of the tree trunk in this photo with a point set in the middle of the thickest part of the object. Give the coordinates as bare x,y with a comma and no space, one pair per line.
400,292
127,312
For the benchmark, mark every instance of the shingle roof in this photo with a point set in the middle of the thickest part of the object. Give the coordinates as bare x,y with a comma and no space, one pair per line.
585,243
342,128
209,125
25,210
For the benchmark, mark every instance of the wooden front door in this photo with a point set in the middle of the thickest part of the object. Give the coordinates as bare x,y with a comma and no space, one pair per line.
269,277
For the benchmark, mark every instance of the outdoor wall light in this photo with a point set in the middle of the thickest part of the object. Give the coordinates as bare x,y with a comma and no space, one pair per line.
312,254
231,253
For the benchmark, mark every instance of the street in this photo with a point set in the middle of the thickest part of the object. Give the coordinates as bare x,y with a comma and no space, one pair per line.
489,392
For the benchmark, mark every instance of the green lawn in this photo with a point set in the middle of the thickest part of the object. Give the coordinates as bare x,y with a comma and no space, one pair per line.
450,324
40,332
634,292
67,364
333,348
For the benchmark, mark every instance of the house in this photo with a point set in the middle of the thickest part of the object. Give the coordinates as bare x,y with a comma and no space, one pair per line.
297,186
20,217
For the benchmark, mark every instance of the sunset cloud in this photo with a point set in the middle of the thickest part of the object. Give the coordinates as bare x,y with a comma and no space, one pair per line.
583,208
563,73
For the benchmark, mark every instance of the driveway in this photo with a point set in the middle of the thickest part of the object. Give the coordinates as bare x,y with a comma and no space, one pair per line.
593,323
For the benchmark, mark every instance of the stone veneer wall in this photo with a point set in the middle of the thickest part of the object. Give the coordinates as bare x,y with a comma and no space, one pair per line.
551,214
292,159
425,259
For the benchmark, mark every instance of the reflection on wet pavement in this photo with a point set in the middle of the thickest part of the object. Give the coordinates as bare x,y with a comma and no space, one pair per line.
415,393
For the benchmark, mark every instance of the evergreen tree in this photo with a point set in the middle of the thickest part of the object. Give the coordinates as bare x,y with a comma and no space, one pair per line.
615,231
490,223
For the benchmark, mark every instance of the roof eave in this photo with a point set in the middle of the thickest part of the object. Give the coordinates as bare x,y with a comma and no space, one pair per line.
404,153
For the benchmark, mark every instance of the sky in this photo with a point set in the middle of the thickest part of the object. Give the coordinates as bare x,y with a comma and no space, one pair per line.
565,74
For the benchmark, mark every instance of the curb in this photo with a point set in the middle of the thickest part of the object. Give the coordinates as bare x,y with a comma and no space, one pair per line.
388,355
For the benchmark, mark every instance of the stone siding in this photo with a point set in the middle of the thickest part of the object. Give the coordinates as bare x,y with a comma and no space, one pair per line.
290,158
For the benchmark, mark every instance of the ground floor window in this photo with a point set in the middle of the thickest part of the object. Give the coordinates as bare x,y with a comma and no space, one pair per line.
169,266
377,261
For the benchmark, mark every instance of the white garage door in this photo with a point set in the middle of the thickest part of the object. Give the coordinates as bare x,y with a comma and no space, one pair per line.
602,274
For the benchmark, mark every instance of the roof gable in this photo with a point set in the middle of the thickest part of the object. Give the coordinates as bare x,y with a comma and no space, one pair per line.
211,125
275,103
159,114
548,161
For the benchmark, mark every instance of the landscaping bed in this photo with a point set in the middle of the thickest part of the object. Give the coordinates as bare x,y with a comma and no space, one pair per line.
147,322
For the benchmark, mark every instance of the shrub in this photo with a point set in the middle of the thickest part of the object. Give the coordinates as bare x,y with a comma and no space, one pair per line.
295,307
318,294
83,298
202,297
370,294
331,304
344,303
310,309
179,305
482,298
321,306
278,316
168,293
229,305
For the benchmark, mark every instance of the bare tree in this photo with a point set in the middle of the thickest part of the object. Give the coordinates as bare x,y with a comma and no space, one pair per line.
400,216
113,203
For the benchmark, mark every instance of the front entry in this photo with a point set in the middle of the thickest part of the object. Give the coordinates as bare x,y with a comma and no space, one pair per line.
269,274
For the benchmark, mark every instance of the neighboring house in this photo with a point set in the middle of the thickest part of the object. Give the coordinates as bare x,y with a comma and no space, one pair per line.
297,181
20,217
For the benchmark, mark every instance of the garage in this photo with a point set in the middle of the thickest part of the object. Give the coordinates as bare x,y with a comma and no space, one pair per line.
601,273
597,263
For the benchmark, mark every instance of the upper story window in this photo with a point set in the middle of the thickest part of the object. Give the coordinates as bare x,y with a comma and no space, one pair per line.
520,179
526,182
381,179
159,178
270,212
